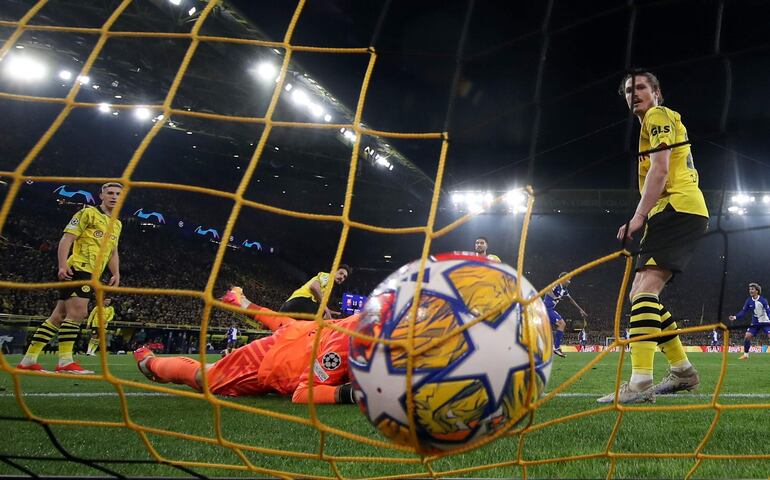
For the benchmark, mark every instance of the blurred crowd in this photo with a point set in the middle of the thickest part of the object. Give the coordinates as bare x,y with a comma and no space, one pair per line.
159,257
150,258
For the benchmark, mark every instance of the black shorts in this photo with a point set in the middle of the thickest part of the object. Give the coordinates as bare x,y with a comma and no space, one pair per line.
669,240
299,305
82,291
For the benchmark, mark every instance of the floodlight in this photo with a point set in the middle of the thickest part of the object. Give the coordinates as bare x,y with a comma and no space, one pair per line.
65,75
327,118
104,107
299,97
266,71
175,2
316,109
192,11
741,199
515,198
474,207
25,68
142,113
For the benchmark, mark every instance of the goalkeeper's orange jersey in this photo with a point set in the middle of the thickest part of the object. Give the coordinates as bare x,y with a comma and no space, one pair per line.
281,363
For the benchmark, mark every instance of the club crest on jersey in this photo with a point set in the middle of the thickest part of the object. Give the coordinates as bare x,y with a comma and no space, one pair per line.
74,221
331,361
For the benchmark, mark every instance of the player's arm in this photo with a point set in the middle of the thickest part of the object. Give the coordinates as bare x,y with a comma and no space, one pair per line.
324,394
582,312
662,133
114,265
655,180
318,293
65,245
331,381
91,318
742,312
654,183
74,229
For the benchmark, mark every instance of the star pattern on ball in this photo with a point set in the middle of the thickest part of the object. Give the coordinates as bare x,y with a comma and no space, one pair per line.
492,357
436,283
382,397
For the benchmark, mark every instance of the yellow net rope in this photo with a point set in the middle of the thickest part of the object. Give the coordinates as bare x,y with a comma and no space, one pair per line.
404,455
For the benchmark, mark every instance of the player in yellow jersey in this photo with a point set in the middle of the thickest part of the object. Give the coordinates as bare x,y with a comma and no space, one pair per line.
306,298
108,313
674,216
480,247
83,235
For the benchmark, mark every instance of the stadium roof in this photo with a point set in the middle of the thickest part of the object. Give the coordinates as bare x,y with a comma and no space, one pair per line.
534,101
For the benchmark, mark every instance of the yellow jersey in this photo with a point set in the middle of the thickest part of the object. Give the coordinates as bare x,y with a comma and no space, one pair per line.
93,318
494,258
663,125
304,290
89,226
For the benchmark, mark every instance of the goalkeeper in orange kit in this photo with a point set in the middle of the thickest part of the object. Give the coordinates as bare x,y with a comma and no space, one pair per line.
279,363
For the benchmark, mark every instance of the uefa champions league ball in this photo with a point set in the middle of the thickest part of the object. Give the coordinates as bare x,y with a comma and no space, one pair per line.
465,384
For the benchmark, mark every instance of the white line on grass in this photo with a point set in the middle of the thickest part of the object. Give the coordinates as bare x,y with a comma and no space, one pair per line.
559,395
89,394
678,395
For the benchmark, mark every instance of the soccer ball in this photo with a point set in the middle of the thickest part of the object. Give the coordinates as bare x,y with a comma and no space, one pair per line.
465,385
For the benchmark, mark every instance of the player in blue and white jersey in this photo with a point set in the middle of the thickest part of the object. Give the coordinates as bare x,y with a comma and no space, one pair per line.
232,339
583,337
551,299
714,338
758,307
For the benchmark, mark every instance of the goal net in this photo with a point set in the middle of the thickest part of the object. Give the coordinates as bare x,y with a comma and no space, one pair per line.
115,423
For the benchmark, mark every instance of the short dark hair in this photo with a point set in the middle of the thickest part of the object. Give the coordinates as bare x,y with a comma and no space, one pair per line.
481,237
654,82
345,267
111,184
757,286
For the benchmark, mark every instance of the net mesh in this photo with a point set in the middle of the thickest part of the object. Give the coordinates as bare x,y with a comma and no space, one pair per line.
391,454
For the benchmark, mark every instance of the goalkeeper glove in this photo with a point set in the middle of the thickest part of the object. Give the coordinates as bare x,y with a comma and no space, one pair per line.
344,394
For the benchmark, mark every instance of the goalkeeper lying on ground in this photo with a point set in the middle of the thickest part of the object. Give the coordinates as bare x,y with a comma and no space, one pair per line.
279,363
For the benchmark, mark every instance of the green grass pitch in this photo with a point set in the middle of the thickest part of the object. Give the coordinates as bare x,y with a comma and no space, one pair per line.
27,445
